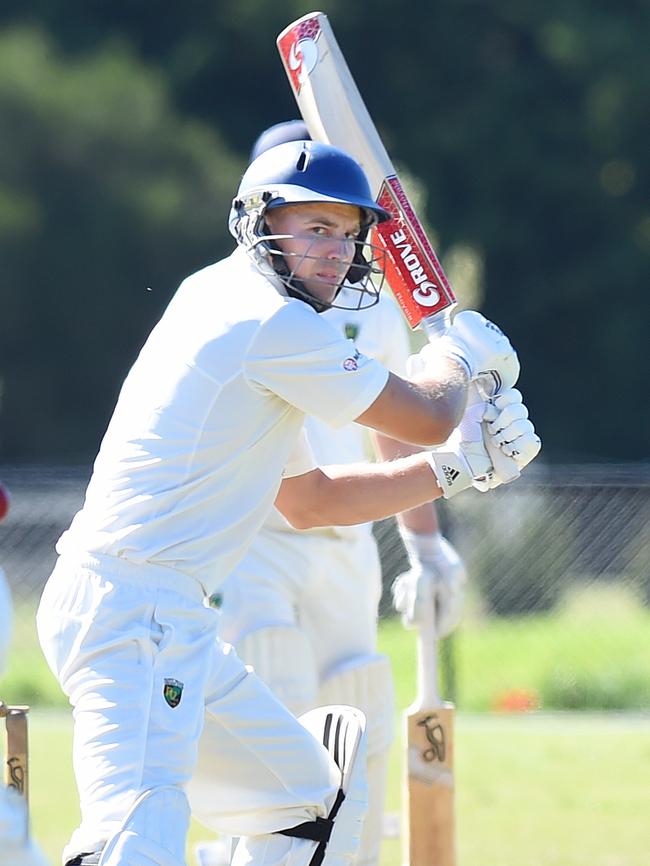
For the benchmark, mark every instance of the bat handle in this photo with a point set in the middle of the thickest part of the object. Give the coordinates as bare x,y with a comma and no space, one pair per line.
506,467
487,386
436,325
427,668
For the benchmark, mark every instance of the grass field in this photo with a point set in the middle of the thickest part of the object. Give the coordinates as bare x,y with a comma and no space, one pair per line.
534,789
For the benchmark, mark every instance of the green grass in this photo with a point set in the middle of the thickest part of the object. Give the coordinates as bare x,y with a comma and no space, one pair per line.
534,790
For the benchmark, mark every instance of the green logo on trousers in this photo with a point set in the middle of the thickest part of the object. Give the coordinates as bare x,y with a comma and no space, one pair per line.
172,692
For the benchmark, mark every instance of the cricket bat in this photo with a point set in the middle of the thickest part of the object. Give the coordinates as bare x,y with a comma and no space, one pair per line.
335,113
16,751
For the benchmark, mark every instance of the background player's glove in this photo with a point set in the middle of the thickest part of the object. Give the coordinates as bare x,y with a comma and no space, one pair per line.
437,573
477,343
463,461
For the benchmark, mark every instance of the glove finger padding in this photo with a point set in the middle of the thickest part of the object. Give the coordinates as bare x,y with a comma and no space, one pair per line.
505,435
488,432
517,440
508,416
523,449
508,428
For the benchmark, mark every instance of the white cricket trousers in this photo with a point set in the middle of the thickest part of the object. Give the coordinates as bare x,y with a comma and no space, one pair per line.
126,642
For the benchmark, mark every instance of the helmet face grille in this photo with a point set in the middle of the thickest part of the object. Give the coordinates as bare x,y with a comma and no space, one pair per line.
303,172
363,280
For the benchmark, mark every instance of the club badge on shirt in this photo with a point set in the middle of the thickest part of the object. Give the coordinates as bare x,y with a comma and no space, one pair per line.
351,331
172,692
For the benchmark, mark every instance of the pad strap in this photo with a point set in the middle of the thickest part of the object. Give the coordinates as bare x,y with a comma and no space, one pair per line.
319,830
91,859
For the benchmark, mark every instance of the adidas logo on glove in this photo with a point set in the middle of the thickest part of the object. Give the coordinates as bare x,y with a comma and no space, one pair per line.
450,473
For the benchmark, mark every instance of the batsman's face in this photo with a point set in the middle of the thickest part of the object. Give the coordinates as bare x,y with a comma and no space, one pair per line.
318,242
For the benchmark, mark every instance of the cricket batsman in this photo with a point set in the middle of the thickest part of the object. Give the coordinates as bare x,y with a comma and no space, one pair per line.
301,607
205,437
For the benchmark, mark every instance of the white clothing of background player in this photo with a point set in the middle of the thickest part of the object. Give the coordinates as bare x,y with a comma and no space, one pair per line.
206,435
301,607
16,846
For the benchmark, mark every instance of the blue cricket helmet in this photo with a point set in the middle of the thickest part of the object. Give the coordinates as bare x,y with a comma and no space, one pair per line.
306,172
298,172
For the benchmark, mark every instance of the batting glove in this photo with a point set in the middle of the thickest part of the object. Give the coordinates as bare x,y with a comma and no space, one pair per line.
478,344
506,426
437,576
501,424
463,460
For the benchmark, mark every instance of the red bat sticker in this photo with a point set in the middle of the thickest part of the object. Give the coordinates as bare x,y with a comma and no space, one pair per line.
299,51
412,268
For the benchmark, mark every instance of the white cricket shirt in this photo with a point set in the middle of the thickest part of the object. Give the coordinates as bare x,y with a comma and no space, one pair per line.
209,418
378,332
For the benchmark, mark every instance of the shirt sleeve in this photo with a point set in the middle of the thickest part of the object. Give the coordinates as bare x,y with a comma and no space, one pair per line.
394,336
301,459
305,361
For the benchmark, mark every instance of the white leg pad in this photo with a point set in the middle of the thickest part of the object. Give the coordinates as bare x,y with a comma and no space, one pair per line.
341,729
367,682
283,658
377,770
153,832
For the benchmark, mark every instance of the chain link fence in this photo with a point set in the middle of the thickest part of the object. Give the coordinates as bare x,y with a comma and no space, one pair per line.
558,589
525,544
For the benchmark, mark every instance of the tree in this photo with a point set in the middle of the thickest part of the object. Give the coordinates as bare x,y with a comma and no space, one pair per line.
107,199
527,123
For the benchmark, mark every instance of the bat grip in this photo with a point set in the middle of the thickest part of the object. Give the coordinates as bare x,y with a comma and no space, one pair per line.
427,666
436,325
486,386
505,467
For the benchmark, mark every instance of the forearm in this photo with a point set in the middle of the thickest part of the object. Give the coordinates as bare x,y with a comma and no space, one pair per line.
424,410
362,493
422,518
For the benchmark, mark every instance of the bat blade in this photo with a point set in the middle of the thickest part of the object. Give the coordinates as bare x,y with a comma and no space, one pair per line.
335,113
16,768
429,838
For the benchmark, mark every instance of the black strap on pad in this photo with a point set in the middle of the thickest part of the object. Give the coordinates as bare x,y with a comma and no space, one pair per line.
319,830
